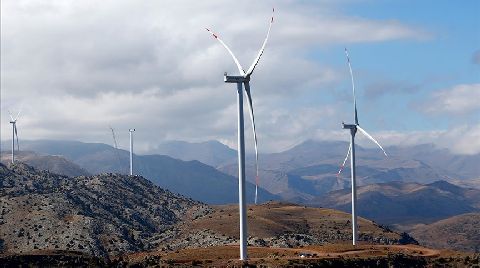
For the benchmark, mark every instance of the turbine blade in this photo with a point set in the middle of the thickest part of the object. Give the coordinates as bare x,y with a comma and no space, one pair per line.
345,160
16,135
10,114
260,53
252,117
353,87
371,138
240,68
19,111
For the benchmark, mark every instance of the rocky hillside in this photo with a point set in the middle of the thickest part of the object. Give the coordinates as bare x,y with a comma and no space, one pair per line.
101,215
53,163
189,178
277,224
460,232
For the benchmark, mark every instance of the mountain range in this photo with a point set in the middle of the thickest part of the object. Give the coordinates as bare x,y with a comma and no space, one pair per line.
397,203
54,163
190,178
310,168
460,232
305,174
112,214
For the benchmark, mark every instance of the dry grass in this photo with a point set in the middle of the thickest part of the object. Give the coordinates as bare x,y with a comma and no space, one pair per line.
228,256
274,218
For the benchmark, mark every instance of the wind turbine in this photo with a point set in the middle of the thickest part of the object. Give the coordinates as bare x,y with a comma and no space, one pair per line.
244,80
13,121
131,149
117,155
353,130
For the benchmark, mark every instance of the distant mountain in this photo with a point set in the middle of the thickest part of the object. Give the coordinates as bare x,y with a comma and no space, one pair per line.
472,183
212,153
110,214
190,178
405,203
102,215
196,180
460,232
459,166
299,174
310,168
53,163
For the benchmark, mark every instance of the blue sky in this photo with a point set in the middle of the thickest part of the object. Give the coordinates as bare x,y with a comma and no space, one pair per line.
78,67
439,61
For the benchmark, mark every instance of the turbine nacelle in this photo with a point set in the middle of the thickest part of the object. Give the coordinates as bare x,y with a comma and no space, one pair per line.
352,127
236,78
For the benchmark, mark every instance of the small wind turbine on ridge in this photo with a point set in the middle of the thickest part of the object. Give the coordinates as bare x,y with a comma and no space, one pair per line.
243,80
13,121
353,130
115,144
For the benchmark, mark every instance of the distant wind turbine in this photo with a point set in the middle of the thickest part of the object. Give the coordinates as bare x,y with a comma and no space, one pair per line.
117,155
131,149
244,79
13,121
353,130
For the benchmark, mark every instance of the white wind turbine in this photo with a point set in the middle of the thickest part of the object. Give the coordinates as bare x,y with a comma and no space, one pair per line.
13,121
115,144
244,79
353,130
131,149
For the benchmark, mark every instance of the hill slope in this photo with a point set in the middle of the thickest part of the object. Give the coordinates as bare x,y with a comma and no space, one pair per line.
53,163
100,215
281,225
190,178
403,203
460,232
212,153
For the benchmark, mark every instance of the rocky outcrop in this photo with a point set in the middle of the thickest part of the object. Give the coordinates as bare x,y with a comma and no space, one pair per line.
101,215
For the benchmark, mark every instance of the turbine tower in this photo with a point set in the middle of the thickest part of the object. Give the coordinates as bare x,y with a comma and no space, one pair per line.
353,130
243,80
131,150
13,121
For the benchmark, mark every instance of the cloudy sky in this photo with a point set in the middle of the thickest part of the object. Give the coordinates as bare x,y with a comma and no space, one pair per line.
78,67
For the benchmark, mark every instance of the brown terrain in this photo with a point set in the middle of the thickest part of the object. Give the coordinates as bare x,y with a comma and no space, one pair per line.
276,224
331,254
460,232
118,220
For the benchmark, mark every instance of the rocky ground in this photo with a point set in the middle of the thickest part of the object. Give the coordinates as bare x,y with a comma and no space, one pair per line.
112,219
279,225
101,215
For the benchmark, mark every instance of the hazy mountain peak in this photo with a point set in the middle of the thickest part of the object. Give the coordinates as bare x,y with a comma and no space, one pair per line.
210,152
446,186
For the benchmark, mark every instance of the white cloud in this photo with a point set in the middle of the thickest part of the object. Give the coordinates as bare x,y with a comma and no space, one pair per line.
458,100
79,66
462,139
